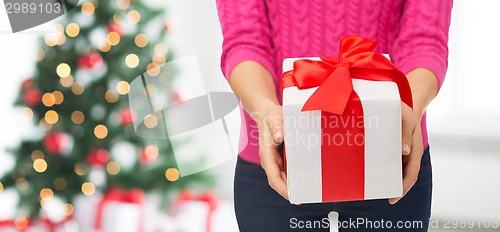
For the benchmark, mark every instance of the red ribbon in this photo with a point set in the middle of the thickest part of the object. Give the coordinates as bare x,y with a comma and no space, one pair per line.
343,165
12,223
208,197
116,194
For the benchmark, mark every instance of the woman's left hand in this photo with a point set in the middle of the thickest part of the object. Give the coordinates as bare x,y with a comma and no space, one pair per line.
413,149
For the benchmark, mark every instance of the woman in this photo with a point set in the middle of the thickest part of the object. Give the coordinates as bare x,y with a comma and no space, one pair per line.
259,34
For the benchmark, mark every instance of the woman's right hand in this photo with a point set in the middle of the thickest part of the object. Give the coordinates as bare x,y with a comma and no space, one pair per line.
271,135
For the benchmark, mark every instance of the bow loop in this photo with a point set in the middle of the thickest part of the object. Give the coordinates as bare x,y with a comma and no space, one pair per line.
333,75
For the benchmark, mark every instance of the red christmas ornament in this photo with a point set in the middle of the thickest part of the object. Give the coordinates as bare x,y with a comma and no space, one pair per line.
90,61
98,157
56,143
126,117
115,27
148,155
32,96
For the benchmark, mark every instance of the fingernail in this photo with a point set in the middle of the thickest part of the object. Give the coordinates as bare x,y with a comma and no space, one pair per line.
277,136
406,148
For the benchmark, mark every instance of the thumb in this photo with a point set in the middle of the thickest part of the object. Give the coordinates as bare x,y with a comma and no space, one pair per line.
407,129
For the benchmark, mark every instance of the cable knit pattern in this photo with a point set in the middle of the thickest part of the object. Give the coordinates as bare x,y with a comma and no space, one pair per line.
413,32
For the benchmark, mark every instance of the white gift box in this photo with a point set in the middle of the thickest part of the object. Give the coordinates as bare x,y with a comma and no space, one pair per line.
382,142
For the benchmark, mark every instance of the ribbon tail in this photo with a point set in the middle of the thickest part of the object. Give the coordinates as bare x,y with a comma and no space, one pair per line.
338,84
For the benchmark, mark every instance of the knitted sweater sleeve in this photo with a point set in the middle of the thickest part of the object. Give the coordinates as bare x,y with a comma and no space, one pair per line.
423,37
247,34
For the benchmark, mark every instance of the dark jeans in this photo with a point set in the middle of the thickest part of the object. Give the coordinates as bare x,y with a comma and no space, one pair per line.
260,209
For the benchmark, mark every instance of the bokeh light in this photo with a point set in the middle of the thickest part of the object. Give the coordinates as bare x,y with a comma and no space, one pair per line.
88,8
141,40
59,97
111,96
88,188
63,70
172,174
122,87
77,117
77,88
101,131
72,30
67,81
51,117
48,99
132,60
134,16
40,165
113,168
150,121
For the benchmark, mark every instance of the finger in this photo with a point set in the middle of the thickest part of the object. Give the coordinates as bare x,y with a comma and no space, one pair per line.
410,171
276,177
408,126
275,123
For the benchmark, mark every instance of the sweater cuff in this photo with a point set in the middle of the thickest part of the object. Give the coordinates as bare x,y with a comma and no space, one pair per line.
243,53
434,64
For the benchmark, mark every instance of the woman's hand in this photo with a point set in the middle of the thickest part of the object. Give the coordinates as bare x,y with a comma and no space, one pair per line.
271,135
413,149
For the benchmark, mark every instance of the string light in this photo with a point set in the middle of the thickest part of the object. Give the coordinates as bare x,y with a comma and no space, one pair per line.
159,59
40,165
37,154
113,38
111,96
72,30
1,187
77,117
104,47
44,125
150,121
153,69
63,70
51,117
101,131
113,168
132,60
67,81
88,8
59,97
79,169
77,88
161,49
122,87
69,209
141,40
48,99
88,188
123,4
134,16
46,194
172,174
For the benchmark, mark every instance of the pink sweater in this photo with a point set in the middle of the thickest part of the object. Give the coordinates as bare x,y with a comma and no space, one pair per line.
413,32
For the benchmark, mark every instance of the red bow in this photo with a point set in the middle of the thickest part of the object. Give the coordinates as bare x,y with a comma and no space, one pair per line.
116,194
333,75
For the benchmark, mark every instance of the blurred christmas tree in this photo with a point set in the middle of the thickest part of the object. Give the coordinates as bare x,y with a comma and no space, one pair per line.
84,140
